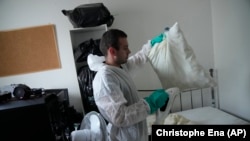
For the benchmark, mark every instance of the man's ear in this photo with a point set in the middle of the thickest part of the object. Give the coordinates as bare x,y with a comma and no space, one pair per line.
112,51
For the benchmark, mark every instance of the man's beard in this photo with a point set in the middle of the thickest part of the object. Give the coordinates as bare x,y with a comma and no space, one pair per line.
122,61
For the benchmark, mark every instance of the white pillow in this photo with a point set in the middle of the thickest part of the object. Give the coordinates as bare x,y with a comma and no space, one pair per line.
175,63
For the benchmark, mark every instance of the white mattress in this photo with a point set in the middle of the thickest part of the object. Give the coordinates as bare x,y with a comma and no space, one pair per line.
203,115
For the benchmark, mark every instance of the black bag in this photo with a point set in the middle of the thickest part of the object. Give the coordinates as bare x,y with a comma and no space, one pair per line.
85,79
85,48
89,15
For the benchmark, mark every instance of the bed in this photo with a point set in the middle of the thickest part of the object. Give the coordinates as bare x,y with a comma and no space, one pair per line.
195,106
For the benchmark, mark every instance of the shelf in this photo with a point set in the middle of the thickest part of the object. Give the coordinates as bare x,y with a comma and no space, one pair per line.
80,35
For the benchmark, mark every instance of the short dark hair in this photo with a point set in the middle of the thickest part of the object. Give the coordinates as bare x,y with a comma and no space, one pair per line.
111,38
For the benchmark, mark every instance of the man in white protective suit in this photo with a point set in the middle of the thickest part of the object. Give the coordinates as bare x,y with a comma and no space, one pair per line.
115,93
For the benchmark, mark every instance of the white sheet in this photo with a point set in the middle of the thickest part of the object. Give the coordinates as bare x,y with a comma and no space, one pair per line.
210,115
203,115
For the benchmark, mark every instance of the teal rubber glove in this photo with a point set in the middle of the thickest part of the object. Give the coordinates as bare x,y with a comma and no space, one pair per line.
157,39
156,100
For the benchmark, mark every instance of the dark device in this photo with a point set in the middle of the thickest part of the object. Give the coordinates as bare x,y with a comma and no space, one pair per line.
22,91
38,119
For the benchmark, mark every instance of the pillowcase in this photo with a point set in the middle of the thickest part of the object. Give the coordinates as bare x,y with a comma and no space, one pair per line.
175,63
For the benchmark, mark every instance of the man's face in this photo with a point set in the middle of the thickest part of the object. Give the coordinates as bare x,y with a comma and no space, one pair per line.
123,53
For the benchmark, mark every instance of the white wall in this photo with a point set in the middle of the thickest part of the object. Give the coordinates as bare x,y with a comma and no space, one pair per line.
140,19
231,36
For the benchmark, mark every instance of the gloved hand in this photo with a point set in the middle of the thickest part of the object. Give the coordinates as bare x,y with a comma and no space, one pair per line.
157,39
156,100
172,93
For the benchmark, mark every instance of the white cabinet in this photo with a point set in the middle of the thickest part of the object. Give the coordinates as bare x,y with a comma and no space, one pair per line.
84,74
79,35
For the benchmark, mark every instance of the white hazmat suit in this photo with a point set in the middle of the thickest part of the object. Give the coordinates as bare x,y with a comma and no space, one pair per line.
117,98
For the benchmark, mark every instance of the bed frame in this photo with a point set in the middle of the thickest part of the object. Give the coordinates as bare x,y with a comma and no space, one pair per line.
197,97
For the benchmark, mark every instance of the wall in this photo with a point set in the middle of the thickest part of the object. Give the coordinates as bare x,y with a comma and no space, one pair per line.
231,34
140,19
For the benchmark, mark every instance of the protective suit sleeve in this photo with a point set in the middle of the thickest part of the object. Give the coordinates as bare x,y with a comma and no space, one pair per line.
139,59
156,100
113,105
